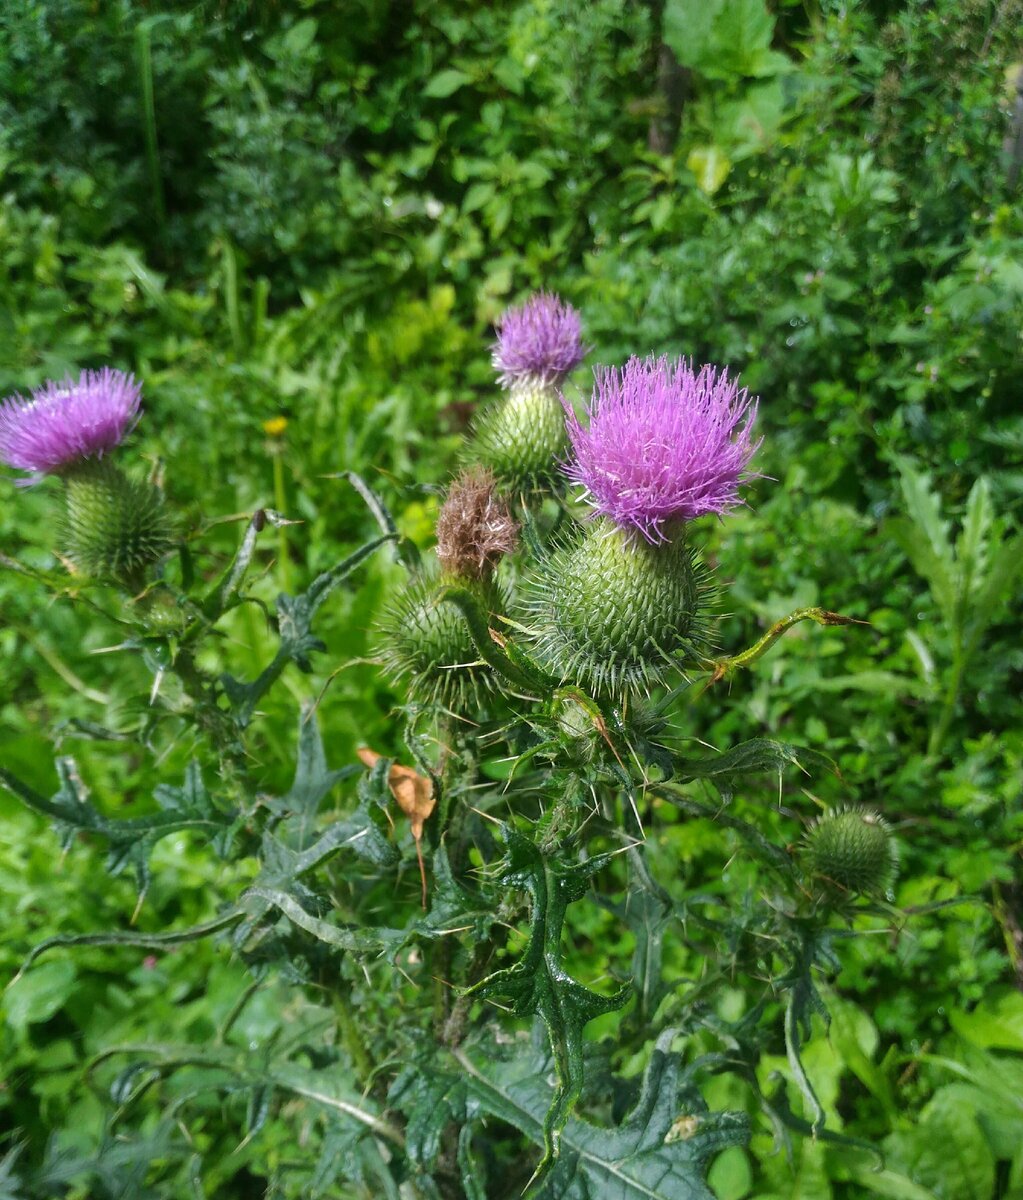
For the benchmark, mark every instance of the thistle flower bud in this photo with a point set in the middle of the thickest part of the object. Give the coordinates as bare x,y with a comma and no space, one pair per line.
426,644
615,614
114,527
851,850
522,438
475,529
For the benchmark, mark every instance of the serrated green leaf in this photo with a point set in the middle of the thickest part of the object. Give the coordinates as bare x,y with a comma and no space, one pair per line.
1005,564
972,544
130,840
758,754
926,540
659,1152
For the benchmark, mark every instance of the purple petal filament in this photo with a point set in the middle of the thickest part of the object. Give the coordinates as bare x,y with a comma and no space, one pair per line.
63,423
538,343
664,443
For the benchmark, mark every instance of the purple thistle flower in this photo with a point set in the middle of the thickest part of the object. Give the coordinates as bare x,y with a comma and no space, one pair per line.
65,422
664,443
538,343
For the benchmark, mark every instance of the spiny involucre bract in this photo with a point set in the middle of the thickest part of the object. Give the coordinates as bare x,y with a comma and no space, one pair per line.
617,615
664,443
115,528
426,646
852,849
65,423
538,343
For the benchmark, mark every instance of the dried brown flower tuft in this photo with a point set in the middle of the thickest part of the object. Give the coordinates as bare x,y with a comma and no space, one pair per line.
475,528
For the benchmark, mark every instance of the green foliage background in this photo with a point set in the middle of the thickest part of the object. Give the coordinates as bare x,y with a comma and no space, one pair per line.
316,210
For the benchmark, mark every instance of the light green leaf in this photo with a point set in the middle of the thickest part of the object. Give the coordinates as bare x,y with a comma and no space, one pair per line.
997,1023
945,1152
926,542
723,38
446,83
972,544
34,997
710,166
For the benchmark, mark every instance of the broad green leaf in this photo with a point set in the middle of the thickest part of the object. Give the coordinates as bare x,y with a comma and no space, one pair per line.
945,1151
446,83
993,1023
35,996
855,1038
710,165
723,39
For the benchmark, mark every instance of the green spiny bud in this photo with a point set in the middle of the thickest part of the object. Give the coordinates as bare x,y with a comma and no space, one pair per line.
615,614
522,438
115,528
851,849
426,642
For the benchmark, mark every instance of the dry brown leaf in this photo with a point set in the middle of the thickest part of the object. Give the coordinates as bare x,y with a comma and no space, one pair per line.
414,793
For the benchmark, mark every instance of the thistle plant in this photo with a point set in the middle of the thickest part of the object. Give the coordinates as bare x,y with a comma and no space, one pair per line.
421,904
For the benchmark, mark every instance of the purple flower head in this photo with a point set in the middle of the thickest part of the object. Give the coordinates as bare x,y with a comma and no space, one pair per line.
538,343
664,443
65,422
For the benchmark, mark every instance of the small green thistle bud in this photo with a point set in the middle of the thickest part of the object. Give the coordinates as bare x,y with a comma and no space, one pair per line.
851,849
115,528
522,438
616,614
426,643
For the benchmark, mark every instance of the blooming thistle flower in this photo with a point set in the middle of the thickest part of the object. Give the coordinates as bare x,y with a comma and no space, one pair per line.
664,443
65,423
538,343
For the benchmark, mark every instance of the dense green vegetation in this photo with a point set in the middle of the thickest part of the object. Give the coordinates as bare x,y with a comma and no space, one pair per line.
316,211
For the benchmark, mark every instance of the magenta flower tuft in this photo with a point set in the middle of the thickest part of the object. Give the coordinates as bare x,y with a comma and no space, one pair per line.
664,443
64,423
538,343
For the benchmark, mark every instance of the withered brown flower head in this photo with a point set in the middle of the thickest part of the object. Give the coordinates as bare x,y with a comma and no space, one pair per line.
475,528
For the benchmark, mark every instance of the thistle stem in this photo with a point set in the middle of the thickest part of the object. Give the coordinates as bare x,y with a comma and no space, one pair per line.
280,503
940,730
723,668
352,1039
